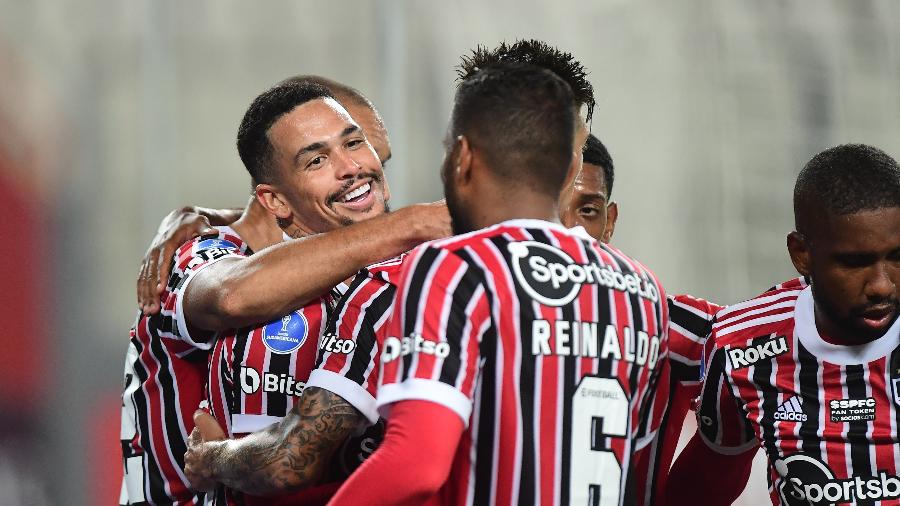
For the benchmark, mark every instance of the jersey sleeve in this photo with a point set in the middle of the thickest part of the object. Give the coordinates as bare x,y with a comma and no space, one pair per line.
721,421
690,325
349,354
432,350
191,259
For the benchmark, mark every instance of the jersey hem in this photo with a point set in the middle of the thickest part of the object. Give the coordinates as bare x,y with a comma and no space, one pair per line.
349,390
427,390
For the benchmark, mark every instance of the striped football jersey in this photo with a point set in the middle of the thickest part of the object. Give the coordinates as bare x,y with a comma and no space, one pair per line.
165,374
547,344
826,415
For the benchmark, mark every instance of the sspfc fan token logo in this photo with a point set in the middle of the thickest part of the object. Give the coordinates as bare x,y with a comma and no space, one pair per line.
806,480
286,335
553,278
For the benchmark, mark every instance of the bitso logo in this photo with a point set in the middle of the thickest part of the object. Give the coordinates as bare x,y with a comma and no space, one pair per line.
287,334
553,278
334,344
745,357
400,347
806,480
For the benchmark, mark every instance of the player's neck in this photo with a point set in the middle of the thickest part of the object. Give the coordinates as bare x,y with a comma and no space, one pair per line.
514,205
257,227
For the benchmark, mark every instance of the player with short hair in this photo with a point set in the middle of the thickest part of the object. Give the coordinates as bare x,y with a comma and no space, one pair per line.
812,375
214,289
492,347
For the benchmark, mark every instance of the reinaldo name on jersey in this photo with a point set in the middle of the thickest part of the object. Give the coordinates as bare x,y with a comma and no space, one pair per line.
581,339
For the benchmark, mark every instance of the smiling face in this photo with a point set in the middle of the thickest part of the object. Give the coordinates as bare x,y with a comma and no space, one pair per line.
326,173
853,262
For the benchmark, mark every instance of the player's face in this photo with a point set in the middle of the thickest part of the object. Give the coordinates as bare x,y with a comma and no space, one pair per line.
853,262
328,173
583,203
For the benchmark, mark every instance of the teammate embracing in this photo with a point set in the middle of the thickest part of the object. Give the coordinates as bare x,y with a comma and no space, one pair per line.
813,374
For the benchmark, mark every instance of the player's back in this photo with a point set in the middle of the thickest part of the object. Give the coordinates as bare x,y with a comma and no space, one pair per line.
550,347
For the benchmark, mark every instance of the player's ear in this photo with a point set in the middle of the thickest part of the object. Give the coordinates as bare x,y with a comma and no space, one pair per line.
273,201
612,214
463,169
798,248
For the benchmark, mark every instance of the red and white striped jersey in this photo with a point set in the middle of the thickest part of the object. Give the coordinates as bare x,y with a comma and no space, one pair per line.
350,352
826,415
165,374
257,374
547,344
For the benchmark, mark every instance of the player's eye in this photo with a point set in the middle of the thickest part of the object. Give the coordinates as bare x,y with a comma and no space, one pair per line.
589,211
355,143
852,261
316,162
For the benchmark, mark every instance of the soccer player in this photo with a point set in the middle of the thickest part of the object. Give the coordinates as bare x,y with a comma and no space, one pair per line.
510,340
214,288
586,197
812,375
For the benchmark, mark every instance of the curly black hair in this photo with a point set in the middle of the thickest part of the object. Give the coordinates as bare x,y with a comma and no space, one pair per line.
536,53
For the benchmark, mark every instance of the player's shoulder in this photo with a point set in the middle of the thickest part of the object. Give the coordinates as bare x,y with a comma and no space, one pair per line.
771,312
695,305
387,271
225,240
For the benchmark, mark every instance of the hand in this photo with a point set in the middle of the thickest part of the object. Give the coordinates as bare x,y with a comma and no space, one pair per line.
203,445
178,227
432,220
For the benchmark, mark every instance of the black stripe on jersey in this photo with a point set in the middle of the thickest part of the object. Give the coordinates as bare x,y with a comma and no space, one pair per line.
456,323
157,492
366,340
414,296
808,375
527,379
689,321
855,376
893,366
170,409
762,376
708,417
279,363
484,446
331,325
241,339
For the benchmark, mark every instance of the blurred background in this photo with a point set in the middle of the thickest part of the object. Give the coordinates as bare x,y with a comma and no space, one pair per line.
113,113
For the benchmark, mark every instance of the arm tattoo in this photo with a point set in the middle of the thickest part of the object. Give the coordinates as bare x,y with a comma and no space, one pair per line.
291,454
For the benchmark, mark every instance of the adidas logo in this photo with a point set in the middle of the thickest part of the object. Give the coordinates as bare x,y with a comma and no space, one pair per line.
791,411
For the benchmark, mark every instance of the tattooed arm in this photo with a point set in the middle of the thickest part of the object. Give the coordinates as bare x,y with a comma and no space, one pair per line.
283,458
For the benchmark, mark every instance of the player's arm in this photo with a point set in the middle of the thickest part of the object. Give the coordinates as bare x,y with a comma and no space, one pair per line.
715,466
283,458
236,292
179,226
397,470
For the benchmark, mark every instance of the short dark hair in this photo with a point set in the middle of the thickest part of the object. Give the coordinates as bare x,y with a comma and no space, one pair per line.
595,153
847,179
343,93
522,118
254,147
537,53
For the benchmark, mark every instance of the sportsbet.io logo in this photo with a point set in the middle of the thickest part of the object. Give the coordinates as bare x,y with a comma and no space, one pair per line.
287,334
806,480
553,278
